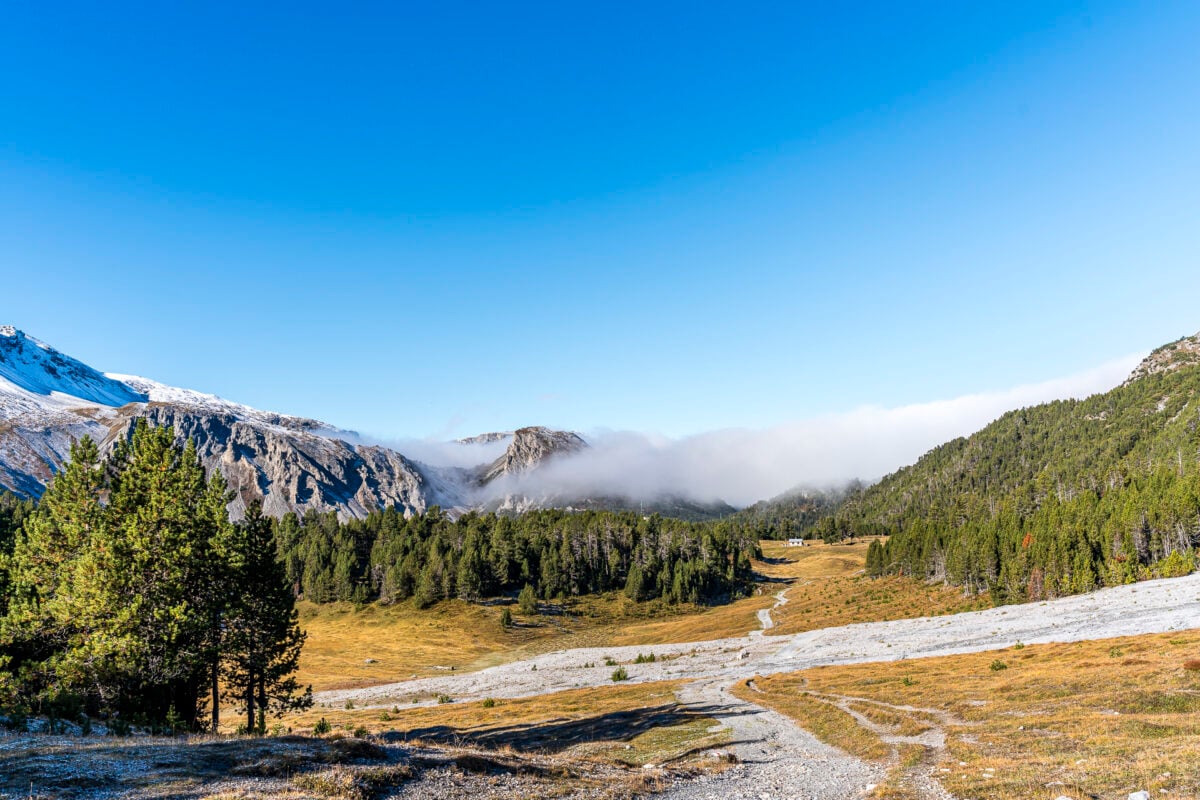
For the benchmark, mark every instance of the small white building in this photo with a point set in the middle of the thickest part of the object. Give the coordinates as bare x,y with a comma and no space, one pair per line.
795,543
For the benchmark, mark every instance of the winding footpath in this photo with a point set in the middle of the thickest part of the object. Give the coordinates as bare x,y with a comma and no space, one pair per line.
779,759
765,623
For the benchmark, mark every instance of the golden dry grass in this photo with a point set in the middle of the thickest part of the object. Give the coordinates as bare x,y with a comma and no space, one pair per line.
401,641
1101,718
831,590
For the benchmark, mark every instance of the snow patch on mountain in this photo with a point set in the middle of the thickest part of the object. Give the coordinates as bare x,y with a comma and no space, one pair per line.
37,376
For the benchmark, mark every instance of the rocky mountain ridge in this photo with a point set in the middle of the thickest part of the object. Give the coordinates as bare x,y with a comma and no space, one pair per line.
1178,354
48,400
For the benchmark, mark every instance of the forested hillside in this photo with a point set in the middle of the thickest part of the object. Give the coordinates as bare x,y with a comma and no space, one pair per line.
1052,499
431,557
796,513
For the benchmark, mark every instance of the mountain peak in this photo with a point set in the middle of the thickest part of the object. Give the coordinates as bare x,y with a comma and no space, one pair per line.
529,447
1178,354
36,368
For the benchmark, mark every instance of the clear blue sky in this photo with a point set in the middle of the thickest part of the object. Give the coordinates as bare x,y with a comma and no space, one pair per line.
423,219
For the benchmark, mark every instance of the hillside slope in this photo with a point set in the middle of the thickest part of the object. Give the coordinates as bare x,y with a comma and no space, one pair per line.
1056,498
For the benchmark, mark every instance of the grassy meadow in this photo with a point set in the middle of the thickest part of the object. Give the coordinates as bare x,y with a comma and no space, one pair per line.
1087,719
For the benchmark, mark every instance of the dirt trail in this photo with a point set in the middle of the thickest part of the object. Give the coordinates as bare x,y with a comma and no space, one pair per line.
920,777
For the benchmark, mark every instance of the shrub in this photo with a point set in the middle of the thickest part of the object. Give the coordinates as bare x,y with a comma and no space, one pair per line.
322,727
619,674
174,722
1019,646
907,681
609,661
361,732
489,703
643,659
349,705
444,698
506,619
998,665
1175,565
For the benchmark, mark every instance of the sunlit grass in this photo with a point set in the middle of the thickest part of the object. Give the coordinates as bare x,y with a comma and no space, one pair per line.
1100,718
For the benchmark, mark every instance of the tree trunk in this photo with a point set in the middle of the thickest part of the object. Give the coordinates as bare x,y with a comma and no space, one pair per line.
216,694
250,704
262,701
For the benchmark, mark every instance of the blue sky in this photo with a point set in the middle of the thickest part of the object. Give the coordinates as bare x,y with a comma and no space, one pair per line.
430,220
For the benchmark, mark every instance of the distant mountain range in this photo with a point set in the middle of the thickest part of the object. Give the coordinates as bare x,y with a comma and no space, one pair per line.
48,399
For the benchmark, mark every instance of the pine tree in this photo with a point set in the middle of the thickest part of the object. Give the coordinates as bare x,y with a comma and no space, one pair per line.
527,601
262,637
159,581
41,620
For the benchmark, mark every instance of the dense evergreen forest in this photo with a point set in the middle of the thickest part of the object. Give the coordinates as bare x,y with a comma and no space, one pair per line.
1050,500
129,594
431,557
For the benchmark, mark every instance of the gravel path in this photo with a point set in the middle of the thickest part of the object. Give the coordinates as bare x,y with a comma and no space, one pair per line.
778,759
765,623
782,760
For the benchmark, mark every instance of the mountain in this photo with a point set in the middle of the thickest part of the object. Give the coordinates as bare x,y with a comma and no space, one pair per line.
527,449
1055,498
48,399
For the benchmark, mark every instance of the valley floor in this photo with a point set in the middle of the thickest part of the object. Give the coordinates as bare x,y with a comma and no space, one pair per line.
885,709
777,758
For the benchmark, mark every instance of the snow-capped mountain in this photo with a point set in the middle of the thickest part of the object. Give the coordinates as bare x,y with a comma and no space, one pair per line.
48,399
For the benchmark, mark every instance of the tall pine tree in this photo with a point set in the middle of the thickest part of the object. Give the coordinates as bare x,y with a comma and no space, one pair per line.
262,637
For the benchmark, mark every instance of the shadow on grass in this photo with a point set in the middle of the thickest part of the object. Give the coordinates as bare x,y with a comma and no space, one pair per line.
556,735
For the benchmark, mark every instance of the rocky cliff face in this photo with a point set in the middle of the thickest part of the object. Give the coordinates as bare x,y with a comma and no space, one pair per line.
292,469
528,448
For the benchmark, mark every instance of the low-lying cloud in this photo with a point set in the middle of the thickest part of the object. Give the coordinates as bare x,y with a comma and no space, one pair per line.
741,466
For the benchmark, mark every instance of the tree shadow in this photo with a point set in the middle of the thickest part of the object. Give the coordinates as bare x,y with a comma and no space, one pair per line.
556,735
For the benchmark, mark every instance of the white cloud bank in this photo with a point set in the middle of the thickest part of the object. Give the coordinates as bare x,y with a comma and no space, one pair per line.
742,466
